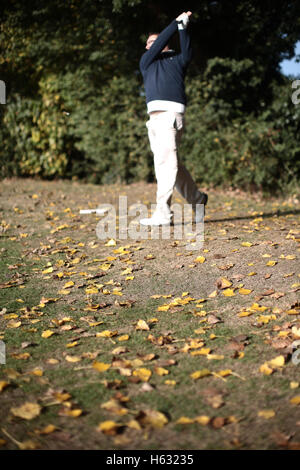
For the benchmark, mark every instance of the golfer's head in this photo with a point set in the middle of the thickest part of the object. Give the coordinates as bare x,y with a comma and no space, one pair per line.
151,39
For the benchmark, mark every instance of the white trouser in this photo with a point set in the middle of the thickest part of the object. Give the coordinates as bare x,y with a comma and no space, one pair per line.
165,130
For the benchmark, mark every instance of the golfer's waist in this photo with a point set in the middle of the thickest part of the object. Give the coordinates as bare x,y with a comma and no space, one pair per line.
156,106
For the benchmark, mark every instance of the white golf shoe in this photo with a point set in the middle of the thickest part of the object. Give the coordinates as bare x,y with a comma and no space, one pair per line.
157,219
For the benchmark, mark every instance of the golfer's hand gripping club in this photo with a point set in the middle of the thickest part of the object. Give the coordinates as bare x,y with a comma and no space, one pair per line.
184,18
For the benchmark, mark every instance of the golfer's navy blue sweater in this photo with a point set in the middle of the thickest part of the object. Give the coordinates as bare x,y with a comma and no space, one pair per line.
164,72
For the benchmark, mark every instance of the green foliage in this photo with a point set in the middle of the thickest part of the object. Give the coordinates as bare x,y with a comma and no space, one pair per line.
231,87
248,150
36,133
69,131
111,132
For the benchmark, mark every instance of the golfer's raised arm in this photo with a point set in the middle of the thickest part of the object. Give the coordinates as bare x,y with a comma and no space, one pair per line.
185,40
158,45
185,46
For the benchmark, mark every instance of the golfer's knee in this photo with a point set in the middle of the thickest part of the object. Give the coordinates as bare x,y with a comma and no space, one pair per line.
167,155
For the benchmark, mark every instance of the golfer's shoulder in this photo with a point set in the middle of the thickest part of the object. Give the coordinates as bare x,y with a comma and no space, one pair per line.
143,56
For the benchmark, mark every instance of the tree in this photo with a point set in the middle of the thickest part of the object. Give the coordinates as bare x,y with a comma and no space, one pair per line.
71,56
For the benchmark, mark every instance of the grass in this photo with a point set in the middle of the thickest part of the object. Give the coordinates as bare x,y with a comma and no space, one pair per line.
42,229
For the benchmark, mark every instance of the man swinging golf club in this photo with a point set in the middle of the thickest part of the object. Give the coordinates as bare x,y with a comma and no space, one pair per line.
163,72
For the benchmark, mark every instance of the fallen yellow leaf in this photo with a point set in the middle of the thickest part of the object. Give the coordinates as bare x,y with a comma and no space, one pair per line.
184,420
113,406
105,266
111,242
27,410
101,366
245,314
46,430
200,352
68,284
38,372
134,424
170,382
21,355
267,414
228,292
48,270
91,290
47,333
245,291
200,373
203,420
72,413
161,371
163,308
13,324
142,325
199,259
106,334
153,418
61,397
123,338
3,385
277,362
108,427
213,294
223,283
295,400
73,358
265,369
215,356
143,374
72,345
224,373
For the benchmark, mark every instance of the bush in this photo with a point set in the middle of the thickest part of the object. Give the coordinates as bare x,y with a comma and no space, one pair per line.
104,137
35,132
251,151
108,128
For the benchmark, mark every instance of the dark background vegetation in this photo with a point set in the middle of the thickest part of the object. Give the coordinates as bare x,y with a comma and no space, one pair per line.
81,57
